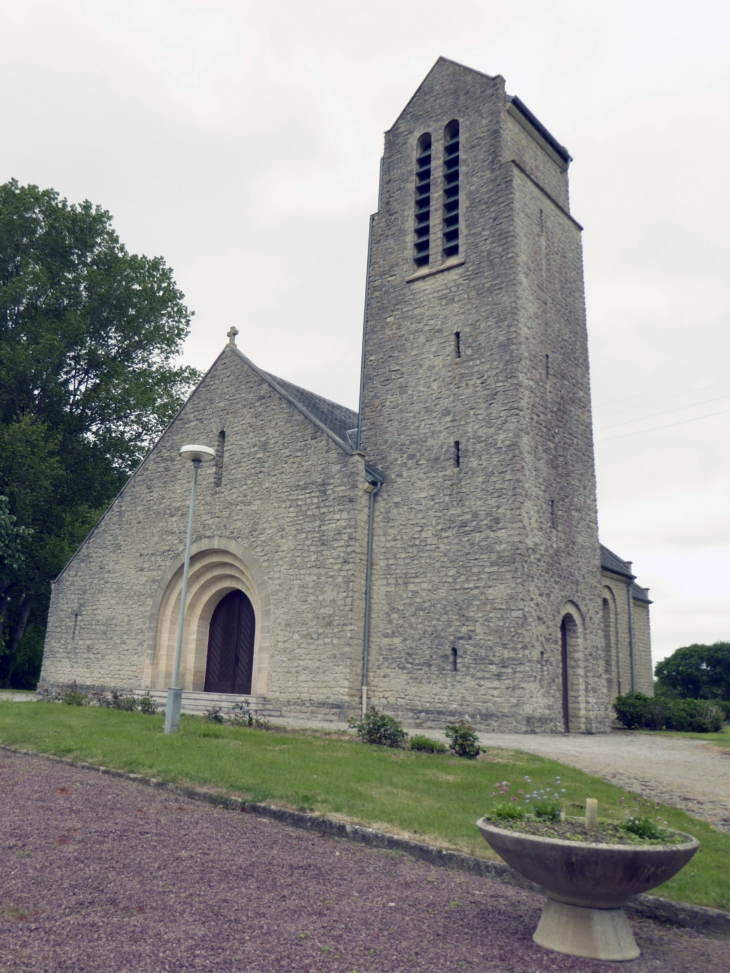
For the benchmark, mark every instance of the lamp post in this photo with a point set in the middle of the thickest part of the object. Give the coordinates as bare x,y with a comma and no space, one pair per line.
198,455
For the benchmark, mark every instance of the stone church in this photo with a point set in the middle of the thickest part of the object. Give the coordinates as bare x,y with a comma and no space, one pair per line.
434,554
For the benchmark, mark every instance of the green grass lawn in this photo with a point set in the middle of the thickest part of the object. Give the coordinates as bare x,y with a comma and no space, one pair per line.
428,797
722,739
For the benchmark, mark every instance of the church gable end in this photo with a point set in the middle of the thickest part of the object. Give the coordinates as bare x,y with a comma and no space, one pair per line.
289,491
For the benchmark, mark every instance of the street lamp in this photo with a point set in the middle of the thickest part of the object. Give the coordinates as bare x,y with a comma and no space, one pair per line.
198,455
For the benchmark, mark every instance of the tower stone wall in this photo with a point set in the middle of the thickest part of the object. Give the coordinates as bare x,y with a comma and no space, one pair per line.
501,546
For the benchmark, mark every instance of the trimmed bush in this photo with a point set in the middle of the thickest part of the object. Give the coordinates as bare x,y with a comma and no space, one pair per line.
463,740
148,705
379,728
638,712
125,703
73,698
426,745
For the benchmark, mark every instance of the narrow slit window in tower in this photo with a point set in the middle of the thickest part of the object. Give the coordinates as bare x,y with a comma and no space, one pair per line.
451,190
218,464
457,344
455,659
457,454
422,228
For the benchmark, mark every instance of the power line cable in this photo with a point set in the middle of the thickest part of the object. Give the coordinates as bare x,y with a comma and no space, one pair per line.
668,425
617,412
664,412
661,388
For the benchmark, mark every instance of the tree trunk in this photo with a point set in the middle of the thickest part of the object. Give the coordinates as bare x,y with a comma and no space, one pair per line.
17,634
5,588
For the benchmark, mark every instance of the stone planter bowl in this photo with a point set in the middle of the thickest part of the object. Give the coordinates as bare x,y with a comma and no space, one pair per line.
587,886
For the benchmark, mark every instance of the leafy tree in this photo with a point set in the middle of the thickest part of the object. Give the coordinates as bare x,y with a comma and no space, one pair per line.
89,334
12,537
696,672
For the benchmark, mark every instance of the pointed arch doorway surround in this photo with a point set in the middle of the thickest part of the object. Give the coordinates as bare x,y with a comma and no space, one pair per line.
229,664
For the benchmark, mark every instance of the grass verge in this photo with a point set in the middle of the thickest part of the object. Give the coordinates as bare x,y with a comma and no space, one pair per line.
721,739
425,796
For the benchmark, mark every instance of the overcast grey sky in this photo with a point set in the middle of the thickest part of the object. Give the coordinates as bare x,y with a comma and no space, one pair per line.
241,142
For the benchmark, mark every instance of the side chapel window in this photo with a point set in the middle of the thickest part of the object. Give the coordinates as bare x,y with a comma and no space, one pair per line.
422,230
451,189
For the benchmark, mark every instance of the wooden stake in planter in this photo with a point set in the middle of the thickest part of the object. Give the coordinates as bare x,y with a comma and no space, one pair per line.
591,814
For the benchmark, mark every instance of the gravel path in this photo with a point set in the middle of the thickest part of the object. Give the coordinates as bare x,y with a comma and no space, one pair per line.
687,774
102,874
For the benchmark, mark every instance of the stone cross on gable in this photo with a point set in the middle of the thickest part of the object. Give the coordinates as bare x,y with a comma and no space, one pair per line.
232,332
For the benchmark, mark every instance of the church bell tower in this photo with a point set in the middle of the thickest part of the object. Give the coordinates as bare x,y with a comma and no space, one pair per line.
475,408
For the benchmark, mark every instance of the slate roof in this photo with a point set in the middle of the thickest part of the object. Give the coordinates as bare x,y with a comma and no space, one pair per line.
337,418
640,594
612,562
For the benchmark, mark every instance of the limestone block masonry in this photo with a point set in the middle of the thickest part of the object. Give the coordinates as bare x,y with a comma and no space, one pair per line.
486,597
290,509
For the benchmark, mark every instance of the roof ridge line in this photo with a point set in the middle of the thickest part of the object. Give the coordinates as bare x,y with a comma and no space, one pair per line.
278,378
134,472
272,381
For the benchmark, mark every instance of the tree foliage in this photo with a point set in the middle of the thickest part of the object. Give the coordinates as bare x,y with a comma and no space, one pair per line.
696,672
89,334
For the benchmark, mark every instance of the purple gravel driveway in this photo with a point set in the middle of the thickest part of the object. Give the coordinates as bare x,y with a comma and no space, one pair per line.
102,874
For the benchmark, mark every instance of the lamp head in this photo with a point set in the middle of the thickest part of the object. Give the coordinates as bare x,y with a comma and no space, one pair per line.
201,454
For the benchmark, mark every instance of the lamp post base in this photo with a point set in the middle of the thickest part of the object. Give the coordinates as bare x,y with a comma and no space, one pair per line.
172,710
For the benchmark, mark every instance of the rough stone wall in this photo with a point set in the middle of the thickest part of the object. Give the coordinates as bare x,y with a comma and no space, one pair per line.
615,590
644,669
468,557
519,147
288,493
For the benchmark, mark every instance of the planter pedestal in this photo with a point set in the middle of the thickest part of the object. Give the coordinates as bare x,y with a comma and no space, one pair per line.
577,931
587,885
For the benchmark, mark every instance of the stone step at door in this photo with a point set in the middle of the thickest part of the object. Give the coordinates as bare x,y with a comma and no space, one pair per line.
197,703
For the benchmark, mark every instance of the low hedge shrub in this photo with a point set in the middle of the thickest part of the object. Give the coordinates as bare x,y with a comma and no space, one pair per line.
426,744
638,712
379,728
463,741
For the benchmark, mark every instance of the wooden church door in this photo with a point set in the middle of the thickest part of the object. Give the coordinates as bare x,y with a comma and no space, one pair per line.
230,646
564,671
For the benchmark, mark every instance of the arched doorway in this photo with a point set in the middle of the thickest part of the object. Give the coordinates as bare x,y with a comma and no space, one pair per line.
571,665
564,672
218,567
231,635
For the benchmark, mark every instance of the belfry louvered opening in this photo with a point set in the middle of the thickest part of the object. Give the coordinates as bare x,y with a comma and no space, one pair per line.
422,230
451,189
